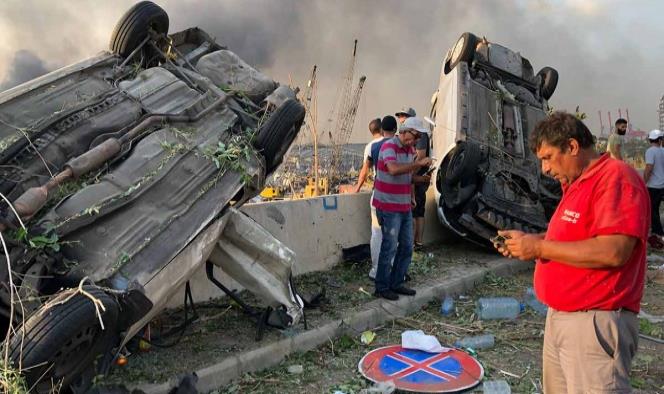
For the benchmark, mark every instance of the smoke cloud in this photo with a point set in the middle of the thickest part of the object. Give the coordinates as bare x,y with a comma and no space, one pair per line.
25,66
607,52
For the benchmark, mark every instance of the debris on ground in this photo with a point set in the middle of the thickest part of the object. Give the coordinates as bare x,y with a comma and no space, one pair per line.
447,306
380,388
367,337
532,301
651,318
476,342
295,369
496,387
418,340
493,308
514,358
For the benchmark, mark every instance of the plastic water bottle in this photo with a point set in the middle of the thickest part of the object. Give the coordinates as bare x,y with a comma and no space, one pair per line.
447,306
477,342
496,387
498,308
531,300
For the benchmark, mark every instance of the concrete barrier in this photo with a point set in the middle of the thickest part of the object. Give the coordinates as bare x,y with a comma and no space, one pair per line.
316,229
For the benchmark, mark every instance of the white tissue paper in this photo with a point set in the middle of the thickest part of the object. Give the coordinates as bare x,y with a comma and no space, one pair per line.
417,339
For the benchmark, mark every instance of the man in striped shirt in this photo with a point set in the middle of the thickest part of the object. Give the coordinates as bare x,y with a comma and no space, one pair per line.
392,200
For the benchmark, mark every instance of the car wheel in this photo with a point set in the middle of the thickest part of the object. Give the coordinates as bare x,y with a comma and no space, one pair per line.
135,25
463,51
63,339
549,78
463,162
276,135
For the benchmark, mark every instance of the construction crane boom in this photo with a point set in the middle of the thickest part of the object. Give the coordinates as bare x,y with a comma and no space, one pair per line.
348,120
340,104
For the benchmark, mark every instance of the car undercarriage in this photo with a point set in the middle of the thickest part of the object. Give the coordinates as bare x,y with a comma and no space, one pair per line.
120,176
487,103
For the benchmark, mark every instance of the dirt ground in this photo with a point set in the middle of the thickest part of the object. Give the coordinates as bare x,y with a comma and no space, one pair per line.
516,357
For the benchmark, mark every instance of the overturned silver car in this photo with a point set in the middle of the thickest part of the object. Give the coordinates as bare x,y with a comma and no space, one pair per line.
121,175
487,102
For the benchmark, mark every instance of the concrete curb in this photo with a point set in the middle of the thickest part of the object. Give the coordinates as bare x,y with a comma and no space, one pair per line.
374,314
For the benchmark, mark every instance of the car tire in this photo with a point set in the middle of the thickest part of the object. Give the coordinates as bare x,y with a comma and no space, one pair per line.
463,51
464,159
549,81
63,339
134,26
276,135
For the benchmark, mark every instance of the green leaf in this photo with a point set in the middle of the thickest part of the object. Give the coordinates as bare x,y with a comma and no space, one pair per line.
21,234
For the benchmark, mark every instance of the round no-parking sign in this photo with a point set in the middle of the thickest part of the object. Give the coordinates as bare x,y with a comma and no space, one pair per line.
422,372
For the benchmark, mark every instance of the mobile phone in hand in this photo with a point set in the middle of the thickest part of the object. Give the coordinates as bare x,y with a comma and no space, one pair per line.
499,241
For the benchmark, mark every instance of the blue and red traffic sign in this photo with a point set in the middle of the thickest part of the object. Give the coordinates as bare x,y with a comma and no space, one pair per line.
418,371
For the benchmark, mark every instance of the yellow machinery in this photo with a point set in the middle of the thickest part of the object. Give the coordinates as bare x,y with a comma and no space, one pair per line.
310,189
272,193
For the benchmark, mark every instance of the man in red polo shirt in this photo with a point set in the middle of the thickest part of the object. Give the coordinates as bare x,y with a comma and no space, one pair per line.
590,263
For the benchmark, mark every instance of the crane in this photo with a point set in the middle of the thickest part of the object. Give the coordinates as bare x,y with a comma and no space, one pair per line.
345,126
340,104
346,108
311,106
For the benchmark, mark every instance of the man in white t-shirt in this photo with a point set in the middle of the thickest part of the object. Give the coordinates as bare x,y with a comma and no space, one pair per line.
367,167
617,140
654,178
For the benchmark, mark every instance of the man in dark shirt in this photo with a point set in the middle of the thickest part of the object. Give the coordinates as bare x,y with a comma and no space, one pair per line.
421,179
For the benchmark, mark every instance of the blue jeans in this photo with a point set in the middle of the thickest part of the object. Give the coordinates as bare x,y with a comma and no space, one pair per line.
397,229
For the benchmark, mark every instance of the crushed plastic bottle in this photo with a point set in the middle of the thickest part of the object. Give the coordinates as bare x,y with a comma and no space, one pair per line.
447,307
498,308
496,387
532,301
476,342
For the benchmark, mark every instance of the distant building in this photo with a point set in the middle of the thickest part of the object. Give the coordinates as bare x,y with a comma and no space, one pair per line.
636,134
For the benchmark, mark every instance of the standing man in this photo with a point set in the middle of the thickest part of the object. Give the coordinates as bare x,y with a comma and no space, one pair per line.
367,167
392,197
617,140
389,128
654,178
590,263
421,179
405,113
376,135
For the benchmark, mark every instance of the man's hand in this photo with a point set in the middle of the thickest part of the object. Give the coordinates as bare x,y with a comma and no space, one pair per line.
424,162
422,179
520,245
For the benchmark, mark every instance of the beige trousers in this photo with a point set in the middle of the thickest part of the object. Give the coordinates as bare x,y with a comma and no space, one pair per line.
589,352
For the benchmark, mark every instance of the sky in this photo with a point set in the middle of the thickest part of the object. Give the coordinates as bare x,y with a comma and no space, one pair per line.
609,53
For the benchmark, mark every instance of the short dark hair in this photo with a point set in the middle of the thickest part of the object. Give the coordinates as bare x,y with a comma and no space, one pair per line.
557,129
620,121
389,124
374,126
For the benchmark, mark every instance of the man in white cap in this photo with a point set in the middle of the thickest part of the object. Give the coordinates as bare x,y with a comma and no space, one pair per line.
421,178
654,178
405,113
